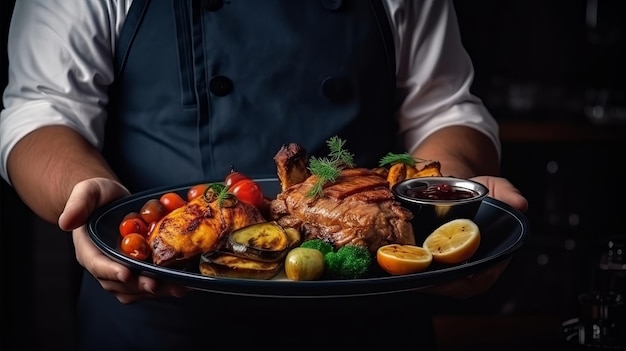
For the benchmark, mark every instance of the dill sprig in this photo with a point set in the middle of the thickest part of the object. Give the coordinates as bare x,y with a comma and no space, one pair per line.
328,169
405,157
217,191
338,154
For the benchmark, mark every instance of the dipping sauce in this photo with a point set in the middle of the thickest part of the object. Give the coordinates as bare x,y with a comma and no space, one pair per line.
441,192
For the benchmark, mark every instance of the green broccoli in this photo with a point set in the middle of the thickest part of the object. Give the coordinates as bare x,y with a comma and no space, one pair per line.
348,262
323,246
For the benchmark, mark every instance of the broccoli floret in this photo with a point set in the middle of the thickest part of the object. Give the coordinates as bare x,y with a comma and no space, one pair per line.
349,262
323,246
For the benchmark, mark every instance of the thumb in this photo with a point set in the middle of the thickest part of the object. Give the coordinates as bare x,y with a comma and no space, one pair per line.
87,196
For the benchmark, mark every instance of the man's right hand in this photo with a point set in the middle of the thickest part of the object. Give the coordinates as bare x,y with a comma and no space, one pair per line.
127,286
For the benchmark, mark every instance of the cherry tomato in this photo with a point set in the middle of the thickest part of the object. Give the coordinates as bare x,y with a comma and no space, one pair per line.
172,201
152,211
151,227
132,215
136,246
248,191
196,190
133,225
234,177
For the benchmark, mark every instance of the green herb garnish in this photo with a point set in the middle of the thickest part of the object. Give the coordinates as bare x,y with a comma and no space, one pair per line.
328,169
405,157
217,191
338,154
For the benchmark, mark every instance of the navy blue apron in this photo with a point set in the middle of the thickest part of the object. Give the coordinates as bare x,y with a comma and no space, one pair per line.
201,88
203,85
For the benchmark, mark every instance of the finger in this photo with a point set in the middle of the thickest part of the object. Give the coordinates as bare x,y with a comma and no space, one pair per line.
503,190
145,288
508,193
85,197
516,200
90,257
471,285
160,288
169,290
116,278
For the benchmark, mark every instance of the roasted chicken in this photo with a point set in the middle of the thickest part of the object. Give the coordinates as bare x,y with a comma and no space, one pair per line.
200,226
358,208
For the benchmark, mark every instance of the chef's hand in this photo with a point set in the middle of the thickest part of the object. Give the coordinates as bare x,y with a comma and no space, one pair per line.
479,282
113,277
503,190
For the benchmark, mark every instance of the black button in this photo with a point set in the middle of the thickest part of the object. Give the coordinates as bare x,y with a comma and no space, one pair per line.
332,4
221,86
212,5
337,89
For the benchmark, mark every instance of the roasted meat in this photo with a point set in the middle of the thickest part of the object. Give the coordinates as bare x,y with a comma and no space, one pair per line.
198,227
291,165
357,209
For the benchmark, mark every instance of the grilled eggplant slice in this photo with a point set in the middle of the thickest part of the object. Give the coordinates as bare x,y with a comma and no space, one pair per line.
266,241
229,265
294,235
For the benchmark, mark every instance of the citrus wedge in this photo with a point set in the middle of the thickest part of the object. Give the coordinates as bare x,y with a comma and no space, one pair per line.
454,241
399,259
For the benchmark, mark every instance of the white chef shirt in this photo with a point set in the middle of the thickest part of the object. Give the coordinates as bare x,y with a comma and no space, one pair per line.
61,63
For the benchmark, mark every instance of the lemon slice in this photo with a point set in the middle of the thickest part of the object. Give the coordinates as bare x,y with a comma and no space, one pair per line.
454,241
399,259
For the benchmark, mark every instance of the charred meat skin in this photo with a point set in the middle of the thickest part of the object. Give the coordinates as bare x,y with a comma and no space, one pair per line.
197,227
357,209
291,165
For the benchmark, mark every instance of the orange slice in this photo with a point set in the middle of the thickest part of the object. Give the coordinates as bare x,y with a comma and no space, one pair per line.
399,259
454,241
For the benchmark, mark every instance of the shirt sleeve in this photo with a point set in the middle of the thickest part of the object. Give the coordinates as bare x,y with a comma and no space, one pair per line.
434,73
60,65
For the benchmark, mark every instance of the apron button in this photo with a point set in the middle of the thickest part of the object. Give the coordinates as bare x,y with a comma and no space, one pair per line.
221,86
331,4
212,5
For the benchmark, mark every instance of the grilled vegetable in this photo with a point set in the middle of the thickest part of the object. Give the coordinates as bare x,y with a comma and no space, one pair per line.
265,241
348,262
294,235
397,173
226,264
304,263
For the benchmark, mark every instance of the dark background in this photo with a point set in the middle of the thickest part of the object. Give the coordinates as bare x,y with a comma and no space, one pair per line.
552,72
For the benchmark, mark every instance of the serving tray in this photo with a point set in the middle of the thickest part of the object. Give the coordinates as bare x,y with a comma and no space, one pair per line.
503,231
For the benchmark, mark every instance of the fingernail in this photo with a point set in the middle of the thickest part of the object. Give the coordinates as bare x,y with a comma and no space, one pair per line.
148,288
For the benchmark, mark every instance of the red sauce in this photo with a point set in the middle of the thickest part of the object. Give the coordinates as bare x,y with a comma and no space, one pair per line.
441,192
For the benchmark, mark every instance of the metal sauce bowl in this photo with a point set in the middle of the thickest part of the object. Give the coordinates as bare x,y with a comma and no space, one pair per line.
429,213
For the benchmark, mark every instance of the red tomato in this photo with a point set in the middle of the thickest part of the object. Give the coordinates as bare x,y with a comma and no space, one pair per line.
151,227
133,225
196,190
132,215
234,177
136,246
152,211
172,201
248,191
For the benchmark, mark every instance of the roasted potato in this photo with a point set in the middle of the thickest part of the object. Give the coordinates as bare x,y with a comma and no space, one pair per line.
401,171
